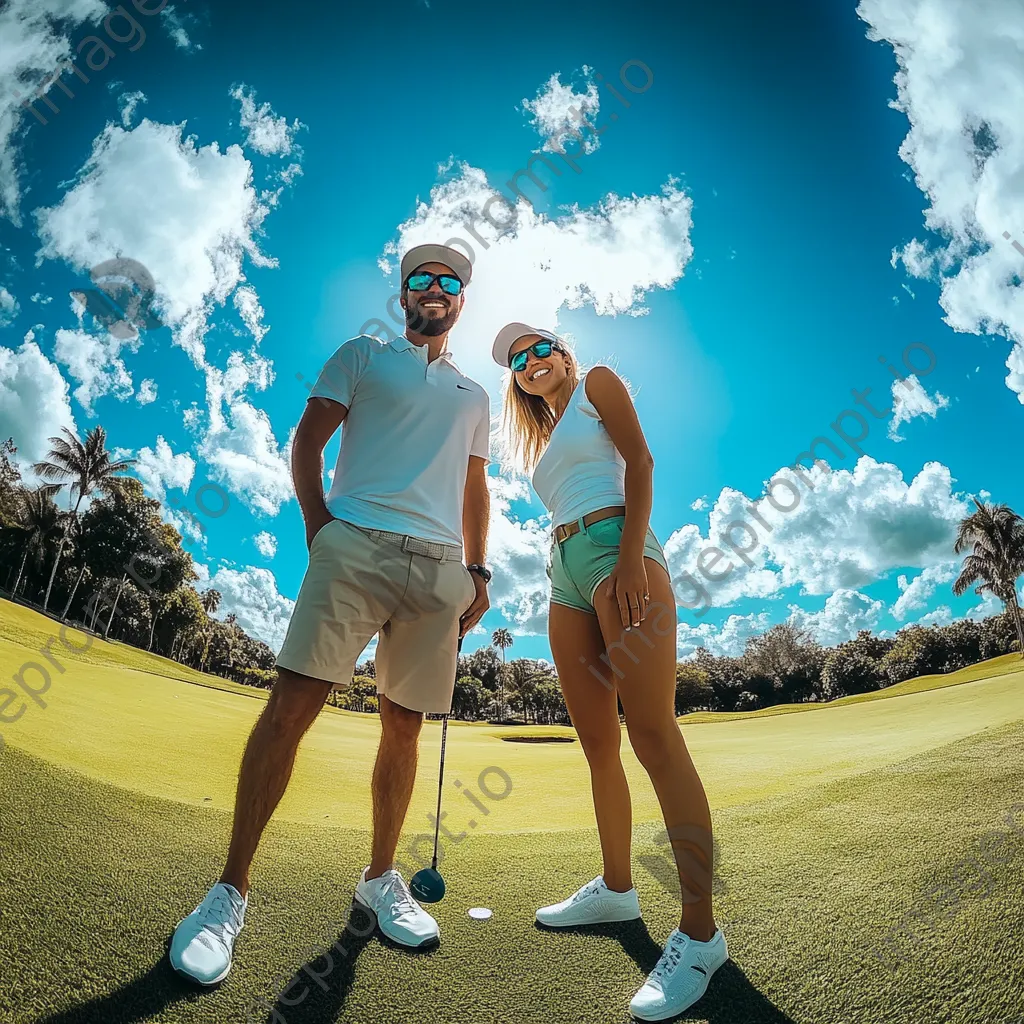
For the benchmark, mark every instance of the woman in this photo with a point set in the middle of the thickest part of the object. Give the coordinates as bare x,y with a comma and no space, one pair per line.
612,628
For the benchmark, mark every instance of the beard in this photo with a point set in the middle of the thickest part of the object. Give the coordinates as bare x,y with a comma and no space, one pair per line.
429,326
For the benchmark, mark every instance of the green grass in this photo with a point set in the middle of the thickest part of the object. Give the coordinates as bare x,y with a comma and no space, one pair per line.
832,824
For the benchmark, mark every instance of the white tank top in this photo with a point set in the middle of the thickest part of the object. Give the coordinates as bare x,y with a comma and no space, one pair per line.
581,470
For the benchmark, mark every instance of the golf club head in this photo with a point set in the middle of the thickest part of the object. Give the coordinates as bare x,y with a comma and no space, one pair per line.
427,885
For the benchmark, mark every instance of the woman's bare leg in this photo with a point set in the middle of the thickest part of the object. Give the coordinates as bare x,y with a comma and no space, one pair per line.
576,643
642,664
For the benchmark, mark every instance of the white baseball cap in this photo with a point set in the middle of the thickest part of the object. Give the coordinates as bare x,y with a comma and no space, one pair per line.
510,334
421,254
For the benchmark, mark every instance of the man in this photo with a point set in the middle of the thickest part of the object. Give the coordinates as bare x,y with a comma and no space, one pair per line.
385,556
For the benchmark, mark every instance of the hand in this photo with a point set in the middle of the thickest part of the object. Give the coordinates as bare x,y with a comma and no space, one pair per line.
628,586
476,611
315,525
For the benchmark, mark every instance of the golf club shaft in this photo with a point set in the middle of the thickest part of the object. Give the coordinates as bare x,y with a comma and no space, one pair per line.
440,778
440,783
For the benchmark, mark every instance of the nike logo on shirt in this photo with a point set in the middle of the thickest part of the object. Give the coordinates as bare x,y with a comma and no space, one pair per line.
463,387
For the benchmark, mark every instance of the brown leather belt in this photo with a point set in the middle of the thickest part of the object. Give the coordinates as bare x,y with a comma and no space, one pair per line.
565,531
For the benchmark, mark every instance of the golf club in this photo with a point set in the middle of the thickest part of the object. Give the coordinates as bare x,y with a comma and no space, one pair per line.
427,884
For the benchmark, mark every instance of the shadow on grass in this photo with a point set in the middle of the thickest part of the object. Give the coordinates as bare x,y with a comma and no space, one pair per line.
146,996
315,992
730,998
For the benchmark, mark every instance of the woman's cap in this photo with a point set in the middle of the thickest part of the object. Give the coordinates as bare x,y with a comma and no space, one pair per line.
509,335
421,254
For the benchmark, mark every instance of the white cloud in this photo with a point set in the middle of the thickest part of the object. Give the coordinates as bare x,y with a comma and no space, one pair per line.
941,616
989,605
251,594
267,133
188,214
554,113
8,307
147,392
266,544
239,442
853,526
175,23
700,504
161,470
909,399
915,594
247,302
608,257
34,401
33,41
727,640
94,360
129,102
518,552
43,300
845,613
961,84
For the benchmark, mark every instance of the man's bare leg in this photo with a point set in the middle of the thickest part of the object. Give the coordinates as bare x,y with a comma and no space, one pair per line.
393,777
267,764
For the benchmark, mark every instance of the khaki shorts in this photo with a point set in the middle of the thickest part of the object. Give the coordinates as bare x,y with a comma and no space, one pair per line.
358,584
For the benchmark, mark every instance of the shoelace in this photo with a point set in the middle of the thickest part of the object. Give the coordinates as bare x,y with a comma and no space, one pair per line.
402,896
589,889
220,917
670,958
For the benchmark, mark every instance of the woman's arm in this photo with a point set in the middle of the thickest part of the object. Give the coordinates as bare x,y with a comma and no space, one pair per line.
628,583
610,398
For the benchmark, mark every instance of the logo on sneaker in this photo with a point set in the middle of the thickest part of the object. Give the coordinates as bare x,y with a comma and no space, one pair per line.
462,387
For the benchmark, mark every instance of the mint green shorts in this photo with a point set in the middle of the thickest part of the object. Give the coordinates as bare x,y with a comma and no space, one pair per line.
579,565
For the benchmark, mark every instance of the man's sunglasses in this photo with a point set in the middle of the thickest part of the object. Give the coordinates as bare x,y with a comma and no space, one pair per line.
541,349
421,282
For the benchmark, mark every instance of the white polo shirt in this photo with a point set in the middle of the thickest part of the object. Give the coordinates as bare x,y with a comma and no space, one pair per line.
406,442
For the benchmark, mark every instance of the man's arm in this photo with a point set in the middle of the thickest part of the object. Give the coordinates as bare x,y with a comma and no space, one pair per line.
476,514
476,511
320,419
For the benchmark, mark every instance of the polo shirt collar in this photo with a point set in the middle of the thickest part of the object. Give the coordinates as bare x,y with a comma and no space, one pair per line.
402,344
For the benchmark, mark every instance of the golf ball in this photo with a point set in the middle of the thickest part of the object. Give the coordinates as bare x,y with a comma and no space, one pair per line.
479,913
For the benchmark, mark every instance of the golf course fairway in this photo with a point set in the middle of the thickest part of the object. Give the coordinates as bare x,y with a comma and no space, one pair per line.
857,879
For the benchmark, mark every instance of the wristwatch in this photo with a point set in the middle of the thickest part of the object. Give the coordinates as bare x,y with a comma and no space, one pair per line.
481,570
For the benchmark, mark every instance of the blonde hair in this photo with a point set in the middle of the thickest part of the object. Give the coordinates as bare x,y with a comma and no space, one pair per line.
527,420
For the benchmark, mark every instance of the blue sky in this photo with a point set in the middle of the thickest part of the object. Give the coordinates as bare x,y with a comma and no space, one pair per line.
743,242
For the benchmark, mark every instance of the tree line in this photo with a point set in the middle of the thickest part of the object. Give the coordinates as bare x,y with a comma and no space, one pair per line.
118,569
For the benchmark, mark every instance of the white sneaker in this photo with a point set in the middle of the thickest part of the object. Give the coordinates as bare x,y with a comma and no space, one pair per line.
399,916
595,903
681,976
203,942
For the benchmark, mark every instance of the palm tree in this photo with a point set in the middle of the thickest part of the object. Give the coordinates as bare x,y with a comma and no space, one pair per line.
524,677
36,515
87,467
210,600
501,638
994,534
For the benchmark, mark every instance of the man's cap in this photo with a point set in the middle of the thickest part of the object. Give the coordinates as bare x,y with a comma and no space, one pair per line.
421,254
510,334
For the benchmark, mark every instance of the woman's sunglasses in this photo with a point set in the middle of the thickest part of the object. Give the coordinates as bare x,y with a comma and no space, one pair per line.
421,282
541,349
